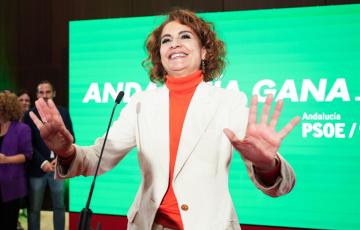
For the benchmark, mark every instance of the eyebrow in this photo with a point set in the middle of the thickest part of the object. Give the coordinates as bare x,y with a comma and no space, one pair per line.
44,91
181,32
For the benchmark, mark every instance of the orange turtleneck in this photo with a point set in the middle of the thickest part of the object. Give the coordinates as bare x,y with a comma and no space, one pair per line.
181,91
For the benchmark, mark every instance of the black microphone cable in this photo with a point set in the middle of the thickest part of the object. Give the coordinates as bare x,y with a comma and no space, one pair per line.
86,213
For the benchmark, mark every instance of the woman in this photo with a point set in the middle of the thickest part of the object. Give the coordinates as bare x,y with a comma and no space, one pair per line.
185,133
15,149
25,100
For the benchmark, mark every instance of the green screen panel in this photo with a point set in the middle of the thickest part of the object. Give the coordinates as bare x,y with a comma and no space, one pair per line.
309,57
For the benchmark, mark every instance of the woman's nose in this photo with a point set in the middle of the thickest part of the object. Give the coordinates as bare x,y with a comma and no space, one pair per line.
174,43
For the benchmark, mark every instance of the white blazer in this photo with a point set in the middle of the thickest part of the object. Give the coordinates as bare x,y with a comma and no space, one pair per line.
202,163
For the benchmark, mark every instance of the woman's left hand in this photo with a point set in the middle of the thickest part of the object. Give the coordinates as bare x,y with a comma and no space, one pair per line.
262,142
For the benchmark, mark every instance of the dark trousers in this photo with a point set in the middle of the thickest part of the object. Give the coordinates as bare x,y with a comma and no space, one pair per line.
9,213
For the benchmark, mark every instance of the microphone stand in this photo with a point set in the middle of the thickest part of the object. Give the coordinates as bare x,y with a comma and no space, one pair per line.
86,213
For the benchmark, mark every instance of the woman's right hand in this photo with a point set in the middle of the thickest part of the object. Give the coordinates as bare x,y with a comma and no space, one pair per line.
2,158
52,128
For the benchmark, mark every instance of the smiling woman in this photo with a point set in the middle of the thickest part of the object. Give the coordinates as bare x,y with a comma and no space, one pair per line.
184,34
180,50
185,133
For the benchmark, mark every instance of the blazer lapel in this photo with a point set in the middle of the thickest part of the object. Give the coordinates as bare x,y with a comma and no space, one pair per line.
201,109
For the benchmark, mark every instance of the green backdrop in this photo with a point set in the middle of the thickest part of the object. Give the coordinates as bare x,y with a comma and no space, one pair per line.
309,56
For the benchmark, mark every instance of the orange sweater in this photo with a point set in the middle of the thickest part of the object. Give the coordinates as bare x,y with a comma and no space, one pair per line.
181,91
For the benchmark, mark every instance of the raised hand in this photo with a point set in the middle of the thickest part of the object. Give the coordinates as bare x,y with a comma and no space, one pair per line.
262,142
52,128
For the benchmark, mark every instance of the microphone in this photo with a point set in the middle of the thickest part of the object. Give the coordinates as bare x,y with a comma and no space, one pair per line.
119,97
86,213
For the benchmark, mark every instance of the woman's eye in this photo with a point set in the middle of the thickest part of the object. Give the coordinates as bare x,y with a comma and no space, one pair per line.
185,36
165,40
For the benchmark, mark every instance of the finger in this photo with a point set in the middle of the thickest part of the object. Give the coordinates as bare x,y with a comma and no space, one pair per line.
53,110
276,114
42,108
47,168
253,109
266,109
290,126
66,135
36,120
231,136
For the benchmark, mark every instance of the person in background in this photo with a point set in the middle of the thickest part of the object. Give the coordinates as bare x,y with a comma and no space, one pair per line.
25,100
185,133
41,167
15,150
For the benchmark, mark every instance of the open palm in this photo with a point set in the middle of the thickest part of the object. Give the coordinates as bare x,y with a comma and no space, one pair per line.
261,142
52,128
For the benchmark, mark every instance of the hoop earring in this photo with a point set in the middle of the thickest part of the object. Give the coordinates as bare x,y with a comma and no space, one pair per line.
203,65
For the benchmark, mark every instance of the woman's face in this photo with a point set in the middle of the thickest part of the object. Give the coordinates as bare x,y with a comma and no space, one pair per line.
24,100
180,50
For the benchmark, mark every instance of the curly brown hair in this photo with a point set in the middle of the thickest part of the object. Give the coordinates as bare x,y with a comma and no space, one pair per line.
215,49
10,108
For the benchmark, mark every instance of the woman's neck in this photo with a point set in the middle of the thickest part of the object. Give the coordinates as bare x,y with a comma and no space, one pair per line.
4,126
184,84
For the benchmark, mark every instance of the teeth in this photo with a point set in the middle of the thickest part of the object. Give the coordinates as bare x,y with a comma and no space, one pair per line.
173,56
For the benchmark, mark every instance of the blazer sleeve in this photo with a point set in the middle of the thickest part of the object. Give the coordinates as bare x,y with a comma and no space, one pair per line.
121,139
283,184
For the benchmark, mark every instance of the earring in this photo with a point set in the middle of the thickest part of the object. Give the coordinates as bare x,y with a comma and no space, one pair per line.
203,65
